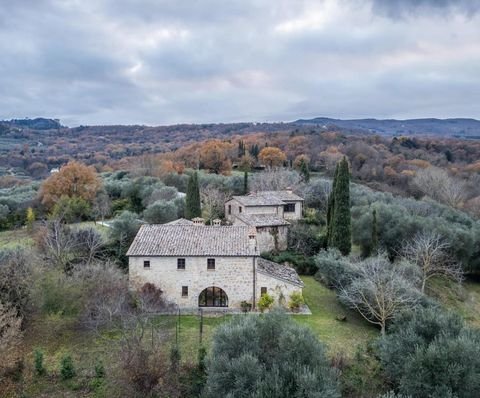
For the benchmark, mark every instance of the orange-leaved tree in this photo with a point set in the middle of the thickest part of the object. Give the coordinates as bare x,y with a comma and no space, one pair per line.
214,156
75,179
272,157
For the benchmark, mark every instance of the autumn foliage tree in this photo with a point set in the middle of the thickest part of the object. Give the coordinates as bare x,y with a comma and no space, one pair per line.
214,157
272,157
75,179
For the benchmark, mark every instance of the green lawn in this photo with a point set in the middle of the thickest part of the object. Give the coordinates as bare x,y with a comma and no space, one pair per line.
57,335
342,336
15,238
463,299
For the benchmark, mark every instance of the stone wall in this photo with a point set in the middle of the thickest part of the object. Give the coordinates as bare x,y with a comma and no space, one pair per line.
277,288
266,238
271,210
297,215
232,274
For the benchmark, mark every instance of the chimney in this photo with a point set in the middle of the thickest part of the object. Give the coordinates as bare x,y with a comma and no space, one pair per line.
217,222
252,238
198,221
289,189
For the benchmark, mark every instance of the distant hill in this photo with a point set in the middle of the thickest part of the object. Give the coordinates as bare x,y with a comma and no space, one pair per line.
38,123
465,128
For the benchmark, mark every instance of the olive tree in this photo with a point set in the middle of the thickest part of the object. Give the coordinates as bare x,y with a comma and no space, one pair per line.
431,353
268,356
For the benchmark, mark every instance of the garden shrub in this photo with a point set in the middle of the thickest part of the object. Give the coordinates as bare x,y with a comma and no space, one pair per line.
265,302
67,369
296,301
38,362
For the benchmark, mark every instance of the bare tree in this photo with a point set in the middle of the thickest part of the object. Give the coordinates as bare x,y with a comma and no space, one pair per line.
275,179
90,244
17,269
316,194
429,251
105,291
142,358
10,337
101,205
150,299
58,244
213,200
380,290
438,185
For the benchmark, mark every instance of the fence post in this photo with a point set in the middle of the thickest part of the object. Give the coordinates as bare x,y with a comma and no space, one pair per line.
201,326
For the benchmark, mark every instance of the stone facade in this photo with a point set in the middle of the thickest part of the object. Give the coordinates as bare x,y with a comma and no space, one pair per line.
269,238
296,214
233,208
234,275
272,238
276,287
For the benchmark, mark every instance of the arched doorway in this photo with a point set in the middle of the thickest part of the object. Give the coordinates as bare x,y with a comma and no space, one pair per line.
213,297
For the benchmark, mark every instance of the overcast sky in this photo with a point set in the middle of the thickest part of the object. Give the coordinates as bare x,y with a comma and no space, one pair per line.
163,62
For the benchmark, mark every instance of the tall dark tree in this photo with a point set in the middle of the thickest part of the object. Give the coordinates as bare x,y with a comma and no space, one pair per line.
192,201
340,235
254,151
241,148
374,249
330,207
304,170
245,182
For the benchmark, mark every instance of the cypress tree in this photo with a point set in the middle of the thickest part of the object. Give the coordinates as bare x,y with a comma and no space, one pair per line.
330,208
245,182
241,148
341,232
374,250
304,171
192,201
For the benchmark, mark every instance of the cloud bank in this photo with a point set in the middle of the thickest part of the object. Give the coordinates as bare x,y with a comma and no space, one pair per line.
164,62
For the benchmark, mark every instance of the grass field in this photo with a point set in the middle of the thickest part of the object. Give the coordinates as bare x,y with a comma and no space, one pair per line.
15,238
463,299
342,336
56,335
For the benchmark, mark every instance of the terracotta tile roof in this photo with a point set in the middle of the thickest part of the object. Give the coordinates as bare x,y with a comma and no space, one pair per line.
192,240
279,271
268,198
262,220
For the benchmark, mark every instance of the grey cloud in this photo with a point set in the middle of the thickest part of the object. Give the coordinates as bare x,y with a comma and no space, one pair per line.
401,8
106,61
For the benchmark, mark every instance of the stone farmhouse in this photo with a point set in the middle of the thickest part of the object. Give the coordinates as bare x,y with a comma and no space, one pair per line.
207,266
268,212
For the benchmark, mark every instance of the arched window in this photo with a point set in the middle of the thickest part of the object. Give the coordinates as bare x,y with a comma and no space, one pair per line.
213,297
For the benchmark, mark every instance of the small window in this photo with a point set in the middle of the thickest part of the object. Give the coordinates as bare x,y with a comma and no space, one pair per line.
239,209
146,264
180,263
184,291
211,263
289,208
229,209
263,290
